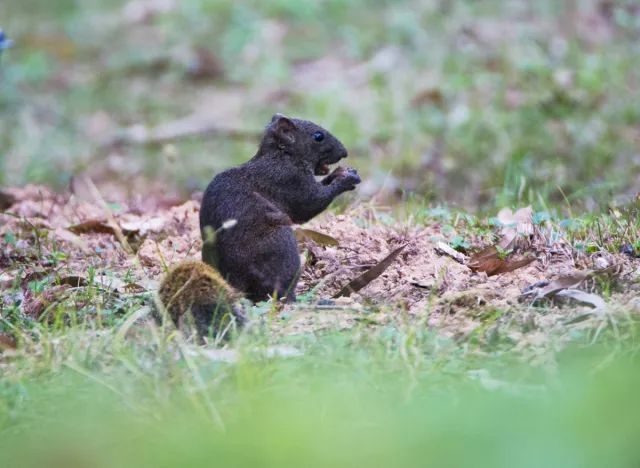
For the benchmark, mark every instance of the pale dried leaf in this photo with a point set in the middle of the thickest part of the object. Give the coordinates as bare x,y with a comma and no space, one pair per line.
6,279
514,225
445,249
68,236
564,282
583,297
143,226
304,235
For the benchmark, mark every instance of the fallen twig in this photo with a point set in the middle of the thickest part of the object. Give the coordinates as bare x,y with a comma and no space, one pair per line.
190,126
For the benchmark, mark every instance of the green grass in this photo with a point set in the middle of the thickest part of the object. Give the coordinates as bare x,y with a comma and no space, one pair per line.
350,400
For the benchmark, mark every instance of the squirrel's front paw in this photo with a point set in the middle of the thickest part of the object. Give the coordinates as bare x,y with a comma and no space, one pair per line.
348,178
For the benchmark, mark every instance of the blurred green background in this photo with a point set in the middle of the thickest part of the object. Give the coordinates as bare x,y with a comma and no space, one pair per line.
474,103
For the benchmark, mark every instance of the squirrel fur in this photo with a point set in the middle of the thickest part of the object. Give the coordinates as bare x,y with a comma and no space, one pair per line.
276,188
192,290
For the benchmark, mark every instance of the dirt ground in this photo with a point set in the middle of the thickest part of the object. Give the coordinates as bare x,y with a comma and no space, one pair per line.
125,246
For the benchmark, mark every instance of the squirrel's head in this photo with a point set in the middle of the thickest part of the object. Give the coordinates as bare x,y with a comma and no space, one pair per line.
315,146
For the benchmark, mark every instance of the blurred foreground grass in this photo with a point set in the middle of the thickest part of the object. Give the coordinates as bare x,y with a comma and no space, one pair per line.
477,103
345,402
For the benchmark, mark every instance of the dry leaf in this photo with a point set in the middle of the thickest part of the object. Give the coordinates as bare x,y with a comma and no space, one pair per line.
369,275
34,305
546,289
67,236
205,65
92,226
6,200
143,226
514,225
7,342
74,281
489,261
565,286
319,238
428,97
584,297
6,279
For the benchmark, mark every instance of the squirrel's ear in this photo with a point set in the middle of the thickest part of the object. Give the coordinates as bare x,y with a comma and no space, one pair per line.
283,127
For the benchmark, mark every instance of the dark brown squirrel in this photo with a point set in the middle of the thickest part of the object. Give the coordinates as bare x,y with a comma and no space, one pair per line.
192,290
274,189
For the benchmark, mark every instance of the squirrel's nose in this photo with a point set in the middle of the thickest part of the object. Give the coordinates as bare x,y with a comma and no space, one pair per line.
344,154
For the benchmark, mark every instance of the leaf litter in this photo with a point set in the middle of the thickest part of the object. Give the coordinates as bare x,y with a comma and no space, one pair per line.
368,267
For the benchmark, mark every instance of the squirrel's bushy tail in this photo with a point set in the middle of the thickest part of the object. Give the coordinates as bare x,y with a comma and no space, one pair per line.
194,293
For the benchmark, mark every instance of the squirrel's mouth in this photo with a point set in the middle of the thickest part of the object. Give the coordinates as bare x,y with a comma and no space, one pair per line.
322,169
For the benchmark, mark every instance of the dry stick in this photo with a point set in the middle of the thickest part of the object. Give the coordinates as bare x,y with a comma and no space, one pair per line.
183,128
110,219
368,276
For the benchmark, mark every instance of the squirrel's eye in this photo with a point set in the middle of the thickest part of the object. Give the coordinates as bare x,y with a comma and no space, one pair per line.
318,136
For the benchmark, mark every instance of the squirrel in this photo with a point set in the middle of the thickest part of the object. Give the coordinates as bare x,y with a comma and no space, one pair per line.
276,188
245,221
193,290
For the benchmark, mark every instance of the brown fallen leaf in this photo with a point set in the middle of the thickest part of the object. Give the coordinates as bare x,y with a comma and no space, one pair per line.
368,276
205,65
74,281
492,263
92,226
34,305
303,235
428,97
7,342
6,200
